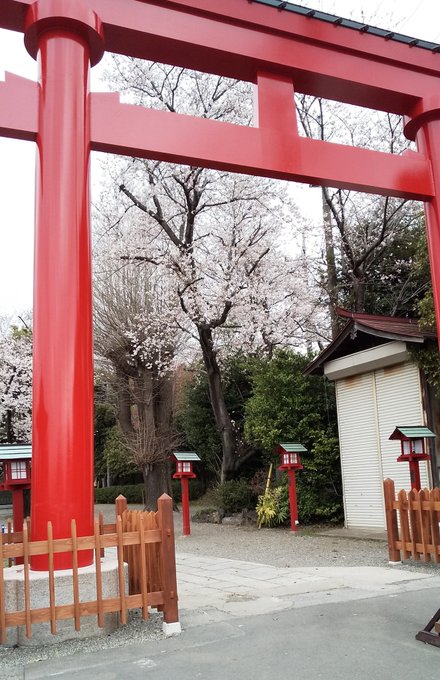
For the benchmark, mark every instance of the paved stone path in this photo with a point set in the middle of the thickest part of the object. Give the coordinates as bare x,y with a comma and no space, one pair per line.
214,589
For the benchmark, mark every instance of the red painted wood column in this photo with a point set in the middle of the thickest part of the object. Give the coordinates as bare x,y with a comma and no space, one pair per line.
293,501
66,37
18,508
414,473
423,126
18,514
186,526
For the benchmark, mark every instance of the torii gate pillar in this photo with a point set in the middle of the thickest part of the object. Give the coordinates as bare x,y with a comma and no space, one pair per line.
423,126
66,37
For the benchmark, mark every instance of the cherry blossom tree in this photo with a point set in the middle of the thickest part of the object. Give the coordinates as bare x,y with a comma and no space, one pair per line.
361,231
216,235
136,340
280,310
15,382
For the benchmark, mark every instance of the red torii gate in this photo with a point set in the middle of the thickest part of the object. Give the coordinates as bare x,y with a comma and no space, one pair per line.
277,51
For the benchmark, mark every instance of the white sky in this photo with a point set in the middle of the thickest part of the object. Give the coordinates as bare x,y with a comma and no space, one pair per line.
417,18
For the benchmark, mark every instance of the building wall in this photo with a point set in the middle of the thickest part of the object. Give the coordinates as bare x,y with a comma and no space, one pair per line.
370,406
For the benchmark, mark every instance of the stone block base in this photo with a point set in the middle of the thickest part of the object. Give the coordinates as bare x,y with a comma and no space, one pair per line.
39,595
171,628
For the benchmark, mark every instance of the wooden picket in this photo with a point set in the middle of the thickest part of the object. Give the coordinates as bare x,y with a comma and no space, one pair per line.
53,618
434,517
418,535
144,540
404,522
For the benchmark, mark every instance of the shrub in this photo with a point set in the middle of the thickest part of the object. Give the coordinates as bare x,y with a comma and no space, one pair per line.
258,482
286,405
273,507
208,515
319,484
134,493
234,496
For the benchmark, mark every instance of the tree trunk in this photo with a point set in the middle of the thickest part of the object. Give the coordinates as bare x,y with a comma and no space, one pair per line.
155,483
9,428
359,291
217,399
124,403
332,281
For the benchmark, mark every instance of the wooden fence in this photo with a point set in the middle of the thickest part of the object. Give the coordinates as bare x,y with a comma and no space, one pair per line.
416,533
413,531
144,540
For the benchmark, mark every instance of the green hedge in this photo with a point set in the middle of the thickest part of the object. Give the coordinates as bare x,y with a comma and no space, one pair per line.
134,493
5,498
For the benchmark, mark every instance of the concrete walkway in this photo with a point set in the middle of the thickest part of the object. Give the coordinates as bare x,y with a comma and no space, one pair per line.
258,622
212,590
369,639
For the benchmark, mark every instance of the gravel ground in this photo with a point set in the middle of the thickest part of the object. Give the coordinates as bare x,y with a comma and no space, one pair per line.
13,661
310,547
280,547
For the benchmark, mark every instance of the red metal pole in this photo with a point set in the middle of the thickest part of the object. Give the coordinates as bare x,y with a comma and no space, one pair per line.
185,507
292,500
65,35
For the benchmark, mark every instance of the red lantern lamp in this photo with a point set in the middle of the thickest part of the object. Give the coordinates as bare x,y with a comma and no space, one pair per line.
184,472
290,462
16,477
290,458
412,442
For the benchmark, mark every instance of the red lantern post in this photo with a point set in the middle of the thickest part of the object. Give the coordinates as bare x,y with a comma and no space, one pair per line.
290,462
16,477
412,442
184,472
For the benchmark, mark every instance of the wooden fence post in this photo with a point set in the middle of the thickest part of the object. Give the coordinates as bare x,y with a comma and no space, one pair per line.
391,517
121,572
101,532
435,519
120,505
405,533
413,499
170,610
425,524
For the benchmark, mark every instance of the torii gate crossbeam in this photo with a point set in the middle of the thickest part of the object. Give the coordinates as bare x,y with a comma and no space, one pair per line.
276,51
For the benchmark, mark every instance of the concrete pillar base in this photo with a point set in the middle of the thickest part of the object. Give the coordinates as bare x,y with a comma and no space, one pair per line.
171,628
39,594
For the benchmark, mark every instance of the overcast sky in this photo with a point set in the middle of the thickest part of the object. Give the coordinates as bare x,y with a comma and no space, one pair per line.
417,18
